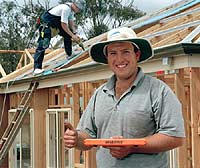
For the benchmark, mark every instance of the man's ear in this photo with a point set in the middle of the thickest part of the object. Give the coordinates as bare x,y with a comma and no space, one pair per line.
138,53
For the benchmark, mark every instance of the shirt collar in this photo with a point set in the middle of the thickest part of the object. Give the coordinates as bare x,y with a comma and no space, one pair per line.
110,85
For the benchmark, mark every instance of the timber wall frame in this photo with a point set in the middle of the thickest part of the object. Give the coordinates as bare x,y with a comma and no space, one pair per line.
175,36
184,81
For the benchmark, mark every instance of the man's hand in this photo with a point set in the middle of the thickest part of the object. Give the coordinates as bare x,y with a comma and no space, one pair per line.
70,136
119,152
76,38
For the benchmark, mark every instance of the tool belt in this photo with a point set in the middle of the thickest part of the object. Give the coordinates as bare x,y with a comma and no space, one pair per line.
54,31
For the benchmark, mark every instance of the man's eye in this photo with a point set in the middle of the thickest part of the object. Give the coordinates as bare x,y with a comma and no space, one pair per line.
112,53
127,51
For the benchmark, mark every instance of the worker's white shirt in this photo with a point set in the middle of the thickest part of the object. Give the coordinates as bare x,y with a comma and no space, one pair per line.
64,11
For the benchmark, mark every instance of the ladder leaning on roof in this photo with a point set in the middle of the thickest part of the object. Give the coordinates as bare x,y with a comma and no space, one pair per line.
14,126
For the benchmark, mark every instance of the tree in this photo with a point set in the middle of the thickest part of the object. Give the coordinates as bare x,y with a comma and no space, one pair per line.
102,15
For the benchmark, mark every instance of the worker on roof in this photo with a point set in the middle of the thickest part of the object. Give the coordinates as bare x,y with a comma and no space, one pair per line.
61,19
130,104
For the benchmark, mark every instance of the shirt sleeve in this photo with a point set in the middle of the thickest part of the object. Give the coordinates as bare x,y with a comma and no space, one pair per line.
66,14
87,121
168,112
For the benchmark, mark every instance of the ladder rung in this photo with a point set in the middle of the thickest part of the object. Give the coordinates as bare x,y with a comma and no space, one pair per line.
4,139
21,107
13,122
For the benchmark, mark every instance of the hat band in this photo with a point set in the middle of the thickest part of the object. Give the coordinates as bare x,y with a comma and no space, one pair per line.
104,49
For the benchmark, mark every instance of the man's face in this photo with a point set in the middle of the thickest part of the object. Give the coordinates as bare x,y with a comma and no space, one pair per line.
122,59
75,8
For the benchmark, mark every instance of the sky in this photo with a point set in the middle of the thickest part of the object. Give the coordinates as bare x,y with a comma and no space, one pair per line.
147,6
150,6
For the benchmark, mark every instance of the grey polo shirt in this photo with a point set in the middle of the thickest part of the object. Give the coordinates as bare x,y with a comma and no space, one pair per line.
149,106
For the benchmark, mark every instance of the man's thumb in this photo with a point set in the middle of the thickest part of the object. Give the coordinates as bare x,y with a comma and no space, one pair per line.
68,125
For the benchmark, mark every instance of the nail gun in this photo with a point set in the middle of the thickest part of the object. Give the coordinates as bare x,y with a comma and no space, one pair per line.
80,43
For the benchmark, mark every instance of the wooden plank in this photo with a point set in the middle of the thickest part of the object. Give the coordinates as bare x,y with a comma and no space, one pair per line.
3,73
19,65
170,39
180,15
29,55
11,51
189,125
90,159
40,106
60,97
173,29
51,97
76,110
4,106
76,102
26,68
90,156
32,50
67,94
180,92
166,25
191,36
62,145
195,114
95,40
78,165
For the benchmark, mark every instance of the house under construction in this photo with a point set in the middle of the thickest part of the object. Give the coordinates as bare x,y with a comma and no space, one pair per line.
33,109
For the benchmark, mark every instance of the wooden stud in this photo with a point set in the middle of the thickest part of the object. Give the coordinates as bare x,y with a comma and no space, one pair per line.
19,65
29,55
4,106
3,73
67,94
180,92
4,121
60,97
40,107
51,97
195,112
76,110
90,156
189,127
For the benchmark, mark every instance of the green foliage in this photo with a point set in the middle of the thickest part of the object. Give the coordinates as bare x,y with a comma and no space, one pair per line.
10,23
17,27
102,15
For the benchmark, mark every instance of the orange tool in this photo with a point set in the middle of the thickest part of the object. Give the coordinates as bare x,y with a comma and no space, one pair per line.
114,142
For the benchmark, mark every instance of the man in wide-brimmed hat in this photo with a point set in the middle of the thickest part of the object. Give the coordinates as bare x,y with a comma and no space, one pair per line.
130,105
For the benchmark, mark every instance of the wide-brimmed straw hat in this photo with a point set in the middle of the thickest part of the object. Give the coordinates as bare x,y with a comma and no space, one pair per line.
124,34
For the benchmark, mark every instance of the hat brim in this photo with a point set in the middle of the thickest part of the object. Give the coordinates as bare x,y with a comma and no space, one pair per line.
96,51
